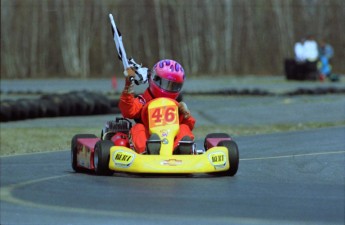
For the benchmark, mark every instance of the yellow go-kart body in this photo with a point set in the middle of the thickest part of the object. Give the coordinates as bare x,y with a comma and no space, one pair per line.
164,121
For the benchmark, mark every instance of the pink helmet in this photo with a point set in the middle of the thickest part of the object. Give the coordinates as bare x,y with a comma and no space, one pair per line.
166,79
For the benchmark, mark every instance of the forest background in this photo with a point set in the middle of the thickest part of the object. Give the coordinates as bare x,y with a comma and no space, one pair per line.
73,39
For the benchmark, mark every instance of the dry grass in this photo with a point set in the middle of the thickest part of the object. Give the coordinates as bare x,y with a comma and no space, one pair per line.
27,140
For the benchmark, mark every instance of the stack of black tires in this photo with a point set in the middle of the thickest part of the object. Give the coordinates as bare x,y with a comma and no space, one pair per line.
301,70
54,105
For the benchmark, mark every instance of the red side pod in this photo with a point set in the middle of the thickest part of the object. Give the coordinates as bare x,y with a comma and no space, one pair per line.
86,149
212,142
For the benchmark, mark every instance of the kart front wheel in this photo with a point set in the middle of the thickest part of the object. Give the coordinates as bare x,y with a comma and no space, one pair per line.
102,157
74,150
233,157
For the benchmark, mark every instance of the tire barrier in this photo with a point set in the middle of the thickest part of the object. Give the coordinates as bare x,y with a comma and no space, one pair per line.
55,105
258,92
78,103
234,92
316,91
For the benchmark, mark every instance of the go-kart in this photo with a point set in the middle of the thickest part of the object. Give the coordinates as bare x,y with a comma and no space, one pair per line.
113,152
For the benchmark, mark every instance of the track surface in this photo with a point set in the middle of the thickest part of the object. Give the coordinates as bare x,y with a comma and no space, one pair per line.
283,178
286,178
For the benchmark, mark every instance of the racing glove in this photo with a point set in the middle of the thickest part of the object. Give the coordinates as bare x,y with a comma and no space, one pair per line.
183,109
141,73
130,74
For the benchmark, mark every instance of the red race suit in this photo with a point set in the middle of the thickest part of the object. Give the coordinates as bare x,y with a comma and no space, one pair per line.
131,107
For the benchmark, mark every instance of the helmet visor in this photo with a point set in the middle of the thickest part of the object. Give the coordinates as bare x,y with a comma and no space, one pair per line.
165,84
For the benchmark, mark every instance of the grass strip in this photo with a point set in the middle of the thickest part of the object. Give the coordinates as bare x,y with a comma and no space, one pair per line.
28,140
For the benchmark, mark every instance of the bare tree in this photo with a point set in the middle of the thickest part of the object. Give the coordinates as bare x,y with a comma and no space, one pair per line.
69,21
228,35
8,66
160,28
72,37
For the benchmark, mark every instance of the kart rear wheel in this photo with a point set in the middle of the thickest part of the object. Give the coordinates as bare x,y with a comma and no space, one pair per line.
74,150
102,157
233,157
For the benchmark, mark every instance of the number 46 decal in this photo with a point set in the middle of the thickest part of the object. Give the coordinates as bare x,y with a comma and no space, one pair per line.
161,116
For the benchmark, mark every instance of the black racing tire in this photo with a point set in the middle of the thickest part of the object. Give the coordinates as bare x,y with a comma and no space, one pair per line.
15,113
48,108
102,157
63,103
102,104
215,135
6,110
23,109
31,107
72,104
233,157
86,98
80,106
64,106
34,108
74,150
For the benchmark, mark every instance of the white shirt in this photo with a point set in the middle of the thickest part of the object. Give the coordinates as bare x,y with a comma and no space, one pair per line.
311,52
299,52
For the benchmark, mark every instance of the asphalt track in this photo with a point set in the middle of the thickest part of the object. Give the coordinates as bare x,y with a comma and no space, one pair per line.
285,178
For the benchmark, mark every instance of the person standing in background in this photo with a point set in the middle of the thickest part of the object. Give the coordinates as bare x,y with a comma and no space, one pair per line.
325,54
299,51
311,54
310,49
